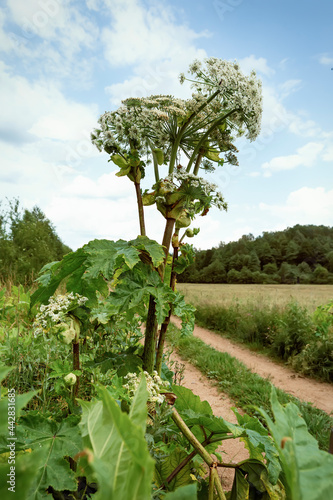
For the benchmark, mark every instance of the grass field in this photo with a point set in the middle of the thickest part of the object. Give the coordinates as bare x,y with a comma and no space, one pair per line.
310,296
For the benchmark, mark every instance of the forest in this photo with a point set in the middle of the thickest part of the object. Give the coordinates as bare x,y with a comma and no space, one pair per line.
299,254
28,241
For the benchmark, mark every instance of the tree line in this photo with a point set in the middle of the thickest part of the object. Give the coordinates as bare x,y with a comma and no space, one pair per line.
300,254
28,241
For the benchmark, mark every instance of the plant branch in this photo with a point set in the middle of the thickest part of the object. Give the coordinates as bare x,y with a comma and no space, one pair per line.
215,124
217,483
181,131
170,223
191,438
140,208
197,163
165,324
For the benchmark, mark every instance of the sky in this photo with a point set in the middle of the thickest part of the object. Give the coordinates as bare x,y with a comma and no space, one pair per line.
65,62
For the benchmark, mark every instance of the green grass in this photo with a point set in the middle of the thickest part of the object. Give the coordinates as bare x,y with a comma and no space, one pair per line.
247,389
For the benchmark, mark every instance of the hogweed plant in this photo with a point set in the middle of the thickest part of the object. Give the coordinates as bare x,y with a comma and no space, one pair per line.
160,132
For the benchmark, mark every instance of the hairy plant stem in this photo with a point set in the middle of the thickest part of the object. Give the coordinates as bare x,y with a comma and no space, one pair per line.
191,438
150,338
170,224
140,208
200,450
189,457
217,483
165,324
76,366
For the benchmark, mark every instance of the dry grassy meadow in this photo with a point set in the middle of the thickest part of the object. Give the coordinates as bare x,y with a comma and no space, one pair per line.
310,296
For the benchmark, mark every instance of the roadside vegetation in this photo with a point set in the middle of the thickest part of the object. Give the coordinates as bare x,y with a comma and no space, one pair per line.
248,390
288,332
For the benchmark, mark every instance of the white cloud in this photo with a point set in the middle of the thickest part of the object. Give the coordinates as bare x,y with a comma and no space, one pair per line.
51,36
153,43
328,153
145,34
305,156
289,86
40,110
105,186
326,60
304,206
259,64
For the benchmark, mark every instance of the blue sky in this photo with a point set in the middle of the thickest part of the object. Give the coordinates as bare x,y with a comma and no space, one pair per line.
65,62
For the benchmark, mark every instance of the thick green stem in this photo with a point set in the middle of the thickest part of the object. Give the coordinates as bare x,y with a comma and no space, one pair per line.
197,163
185,461
165,324
150,338
211,485
191,438
217,483
76,366
140,208
201,451
170,224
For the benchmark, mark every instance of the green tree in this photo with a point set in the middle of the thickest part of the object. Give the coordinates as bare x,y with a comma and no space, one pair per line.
28,241
270,268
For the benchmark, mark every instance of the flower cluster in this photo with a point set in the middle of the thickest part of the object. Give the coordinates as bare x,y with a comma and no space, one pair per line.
140,123
154,386
202,187
240,93
55,314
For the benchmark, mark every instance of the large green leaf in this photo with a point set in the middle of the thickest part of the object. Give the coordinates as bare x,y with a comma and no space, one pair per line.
185,312
106,256
55,441
187,400
188,492
134,289
154,249
240,488
308,471
52,275
21,400
257,476
25,474
166,466
119,454
260,444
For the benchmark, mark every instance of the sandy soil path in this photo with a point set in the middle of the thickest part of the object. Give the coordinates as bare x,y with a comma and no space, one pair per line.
320,394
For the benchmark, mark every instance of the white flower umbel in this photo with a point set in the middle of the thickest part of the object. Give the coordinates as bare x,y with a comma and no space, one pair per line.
54,318
154,385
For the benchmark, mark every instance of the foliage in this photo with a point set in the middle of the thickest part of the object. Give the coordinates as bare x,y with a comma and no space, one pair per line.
28,241
116,448
291,333
243,386
301,254
308,471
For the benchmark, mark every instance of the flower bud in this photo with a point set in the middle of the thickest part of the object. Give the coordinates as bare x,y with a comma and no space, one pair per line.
70,379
